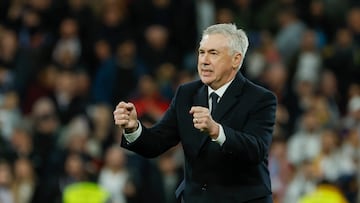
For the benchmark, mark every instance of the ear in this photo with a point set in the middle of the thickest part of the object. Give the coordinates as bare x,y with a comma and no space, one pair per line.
236,60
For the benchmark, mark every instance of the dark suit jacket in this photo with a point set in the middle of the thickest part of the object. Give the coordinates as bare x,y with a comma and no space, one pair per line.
237,170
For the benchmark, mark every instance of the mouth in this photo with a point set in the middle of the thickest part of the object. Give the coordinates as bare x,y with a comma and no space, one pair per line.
206,71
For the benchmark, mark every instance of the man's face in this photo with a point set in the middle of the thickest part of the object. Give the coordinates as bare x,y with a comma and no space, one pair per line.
215,64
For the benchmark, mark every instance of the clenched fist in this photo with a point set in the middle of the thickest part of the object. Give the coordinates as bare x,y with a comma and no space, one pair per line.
204,122
125,116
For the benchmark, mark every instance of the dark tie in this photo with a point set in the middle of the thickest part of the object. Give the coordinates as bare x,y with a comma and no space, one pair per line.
214,101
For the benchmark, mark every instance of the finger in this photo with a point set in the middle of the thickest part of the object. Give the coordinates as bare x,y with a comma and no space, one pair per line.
201,114
129,106
200,126
196,109
122,117
121,104
122,123
119,110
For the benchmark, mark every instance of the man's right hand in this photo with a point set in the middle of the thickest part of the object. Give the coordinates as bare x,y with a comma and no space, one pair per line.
125,117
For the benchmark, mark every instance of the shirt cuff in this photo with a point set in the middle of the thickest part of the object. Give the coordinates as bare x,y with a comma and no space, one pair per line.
221,138
131,137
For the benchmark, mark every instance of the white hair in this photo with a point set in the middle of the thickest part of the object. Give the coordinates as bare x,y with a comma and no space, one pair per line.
237,40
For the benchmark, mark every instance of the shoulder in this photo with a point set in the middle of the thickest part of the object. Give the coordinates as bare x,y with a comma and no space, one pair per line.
258,91
190,87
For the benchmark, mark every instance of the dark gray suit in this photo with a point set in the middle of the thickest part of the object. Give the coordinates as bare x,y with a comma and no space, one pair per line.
237,170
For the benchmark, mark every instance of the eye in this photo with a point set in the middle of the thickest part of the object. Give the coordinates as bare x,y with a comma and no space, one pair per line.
214,53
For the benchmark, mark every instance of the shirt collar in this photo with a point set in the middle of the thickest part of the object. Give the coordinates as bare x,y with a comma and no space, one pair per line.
221,90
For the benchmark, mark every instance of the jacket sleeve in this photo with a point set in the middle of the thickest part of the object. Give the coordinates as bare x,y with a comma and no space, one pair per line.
159,138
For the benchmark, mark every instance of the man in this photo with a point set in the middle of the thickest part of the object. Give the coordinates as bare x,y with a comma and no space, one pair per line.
226,151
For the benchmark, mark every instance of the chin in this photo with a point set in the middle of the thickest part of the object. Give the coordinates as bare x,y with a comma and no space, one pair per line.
205,80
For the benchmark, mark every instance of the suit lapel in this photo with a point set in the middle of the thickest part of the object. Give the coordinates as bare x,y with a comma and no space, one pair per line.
200,99
230,97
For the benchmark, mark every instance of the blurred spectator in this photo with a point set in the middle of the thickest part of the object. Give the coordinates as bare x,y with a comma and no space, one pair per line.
80,11
149,103
183,28
266,17
291,30
282,127
307,60
113,25
353,22
225,15
339,57
102,56
171,174
351,145
68,103
14,64
102,130
74,172
46,126
317,19
322,112
25,182
177,17
244,14
165,76
303,182
10,114
32,33
8,61
350,149
304,94
22,145
83,87
43,86
274,77
280,169
305,144
352,119
67,51
116,77
69,162
205,14
6,183
115,176
11,12
264,55
331,163
328,88
8,50
75,135
157,50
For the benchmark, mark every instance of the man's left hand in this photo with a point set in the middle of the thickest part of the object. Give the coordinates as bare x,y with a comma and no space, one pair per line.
204,122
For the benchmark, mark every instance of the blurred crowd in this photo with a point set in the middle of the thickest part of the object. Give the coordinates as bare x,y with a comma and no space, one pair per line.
65,64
